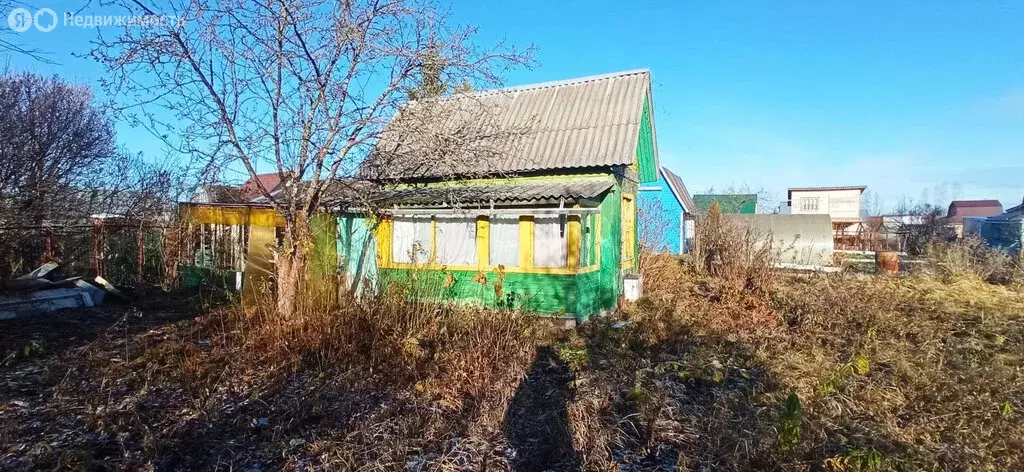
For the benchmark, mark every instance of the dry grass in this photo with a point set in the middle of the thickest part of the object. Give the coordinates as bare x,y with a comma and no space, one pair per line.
707,372
971,258
909,373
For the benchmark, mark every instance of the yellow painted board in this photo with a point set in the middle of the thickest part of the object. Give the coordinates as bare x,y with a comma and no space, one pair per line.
574,232
384,235
232,215
259,267
526,242
483,243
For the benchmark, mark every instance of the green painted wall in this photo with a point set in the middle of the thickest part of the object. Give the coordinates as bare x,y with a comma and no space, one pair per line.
609,284
357,253
542,293
579,295
647,168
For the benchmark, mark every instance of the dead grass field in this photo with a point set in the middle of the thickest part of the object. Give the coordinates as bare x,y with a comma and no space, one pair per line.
840,372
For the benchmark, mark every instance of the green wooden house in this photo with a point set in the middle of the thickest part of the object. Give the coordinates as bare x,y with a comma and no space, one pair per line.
542,218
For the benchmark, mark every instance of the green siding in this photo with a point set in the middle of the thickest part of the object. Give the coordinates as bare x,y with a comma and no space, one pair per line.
647,169
542,293
357,252
579,295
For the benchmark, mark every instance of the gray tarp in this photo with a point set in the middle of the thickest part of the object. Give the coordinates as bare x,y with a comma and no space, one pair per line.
801,239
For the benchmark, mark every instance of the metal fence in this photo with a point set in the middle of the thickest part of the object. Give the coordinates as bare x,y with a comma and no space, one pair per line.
123,253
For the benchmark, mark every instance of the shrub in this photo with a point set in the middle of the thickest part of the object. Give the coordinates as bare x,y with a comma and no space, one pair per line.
733,253
969,257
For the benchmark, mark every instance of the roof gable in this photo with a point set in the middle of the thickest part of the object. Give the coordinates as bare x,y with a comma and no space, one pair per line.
675,183
581,123
960,209
269,180
789,193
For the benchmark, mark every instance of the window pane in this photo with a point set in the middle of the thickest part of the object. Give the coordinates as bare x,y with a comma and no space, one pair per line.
411,239
504,241
549,242
456,240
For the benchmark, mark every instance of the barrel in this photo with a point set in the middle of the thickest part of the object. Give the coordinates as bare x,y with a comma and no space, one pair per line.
887,262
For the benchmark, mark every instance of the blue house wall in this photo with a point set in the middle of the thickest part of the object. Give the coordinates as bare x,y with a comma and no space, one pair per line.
662,213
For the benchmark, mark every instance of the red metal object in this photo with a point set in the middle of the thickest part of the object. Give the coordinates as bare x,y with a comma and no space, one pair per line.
887,262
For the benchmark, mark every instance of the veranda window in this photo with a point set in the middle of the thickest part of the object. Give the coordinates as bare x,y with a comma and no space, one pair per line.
411,243
549,241
456,240
504,241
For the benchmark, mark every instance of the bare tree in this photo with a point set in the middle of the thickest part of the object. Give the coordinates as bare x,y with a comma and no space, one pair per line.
305,87
56,144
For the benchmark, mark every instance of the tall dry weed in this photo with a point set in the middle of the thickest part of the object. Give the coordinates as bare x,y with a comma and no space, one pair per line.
732,253
970,257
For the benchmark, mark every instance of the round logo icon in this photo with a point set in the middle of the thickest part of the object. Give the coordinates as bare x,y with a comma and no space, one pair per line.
50,25
20,19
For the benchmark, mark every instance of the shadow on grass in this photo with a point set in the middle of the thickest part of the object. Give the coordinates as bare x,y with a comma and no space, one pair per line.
536,422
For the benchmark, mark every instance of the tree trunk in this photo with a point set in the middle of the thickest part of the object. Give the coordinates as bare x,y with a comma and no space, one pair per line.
291,265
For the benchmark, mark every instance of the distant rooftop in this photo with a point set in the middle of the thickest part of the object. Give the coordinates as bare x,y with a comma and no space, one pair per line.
789,195
728,203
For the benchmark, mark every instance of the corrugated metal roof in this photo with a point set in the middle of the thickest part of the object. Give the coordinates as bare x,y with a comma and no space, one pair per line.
497,193
586,122
679,189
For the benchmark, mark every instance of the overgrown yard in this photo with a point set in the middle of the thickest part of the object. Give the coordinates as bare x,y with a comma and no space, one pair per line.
839,372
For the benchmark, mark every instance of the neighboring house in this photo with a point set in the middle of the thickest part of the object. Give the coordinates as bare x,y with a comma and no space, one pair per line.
250,190
960,209
666,212
218,194
549,227
841,204
1004,231
1012,213
743,204
247,192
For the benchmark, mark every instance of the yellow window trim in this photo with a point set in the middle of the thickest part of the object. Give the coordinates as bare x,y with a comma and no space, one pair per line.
507,270
628,229
385,234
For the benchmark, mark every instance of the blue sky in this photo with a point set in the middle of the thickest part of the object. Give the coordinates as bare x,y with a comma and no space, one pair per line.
916,101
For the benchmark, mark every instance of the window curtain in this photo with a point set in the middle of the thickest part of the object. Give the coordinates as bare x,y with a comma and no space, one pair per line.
411,242
549,241
456,240
504,241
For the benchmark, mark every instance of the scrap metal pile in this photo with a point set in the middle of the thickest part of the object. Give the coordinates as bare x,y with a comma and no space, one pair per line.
46,290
